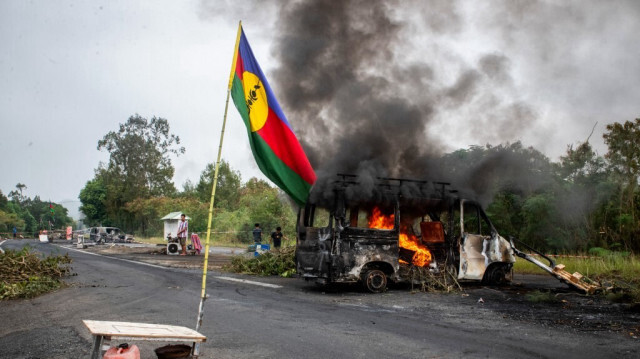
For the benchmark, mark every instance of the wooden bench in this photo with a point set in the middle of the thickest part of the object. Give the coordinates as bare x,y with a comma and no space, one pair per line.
104,331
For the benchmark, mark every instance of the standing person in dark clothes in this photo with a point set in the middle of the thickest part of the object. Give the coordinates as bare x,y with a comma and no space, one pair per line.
257,234
276,238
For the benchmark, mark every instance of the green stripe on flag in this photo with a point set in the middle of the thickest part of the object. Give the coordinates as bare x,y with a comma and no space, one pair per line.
270,164
277,171
237,93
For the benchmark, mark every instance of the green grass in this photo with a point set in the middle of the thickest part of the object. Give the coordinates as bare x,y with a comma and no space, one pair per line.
618,270
624,267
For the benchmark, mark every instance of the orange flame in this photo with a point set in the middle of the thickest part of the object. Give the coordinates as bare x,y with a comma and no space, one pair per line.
421,256
378,220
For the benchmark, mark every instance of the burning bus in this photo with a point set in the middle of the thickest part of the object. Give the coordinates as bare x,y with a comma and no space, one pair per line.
374,238
375,230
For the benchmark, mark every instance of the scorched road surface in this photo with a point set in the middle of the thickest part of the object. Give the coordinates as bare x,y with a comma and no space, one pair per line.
295,320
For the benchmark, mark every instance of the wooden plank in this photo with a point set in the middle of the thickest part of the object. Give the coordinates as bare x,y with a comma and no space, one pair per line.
142,330
574,279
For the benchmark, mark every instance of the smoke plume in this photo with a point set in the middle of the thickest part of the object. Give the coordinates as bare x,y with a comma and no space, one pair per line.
360,107
387,88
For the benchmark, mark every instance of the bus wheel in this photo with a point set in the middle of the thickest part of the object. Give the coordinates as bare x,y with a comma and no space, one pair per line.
497,274
375,281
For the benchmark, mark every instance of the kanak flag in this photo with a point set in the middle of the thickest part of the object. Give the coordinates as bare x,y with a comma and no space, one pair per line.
274,145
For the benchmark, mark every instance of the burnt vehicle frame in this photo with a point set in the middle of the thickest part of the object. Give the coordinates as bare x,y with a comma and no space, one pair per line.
101,235
459,236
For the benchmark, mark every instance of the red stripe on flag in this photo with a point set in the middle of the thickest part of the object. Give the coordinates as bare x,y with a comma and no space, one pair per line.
285,145
239,66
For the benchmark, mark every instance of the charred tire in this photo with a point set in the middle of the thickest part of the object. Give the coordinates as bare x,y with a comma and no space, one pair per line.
497,274
375,281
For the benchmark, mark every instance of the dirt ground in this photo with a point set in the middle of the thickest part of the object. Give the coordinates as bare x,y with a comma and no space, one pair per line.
157,255
538,299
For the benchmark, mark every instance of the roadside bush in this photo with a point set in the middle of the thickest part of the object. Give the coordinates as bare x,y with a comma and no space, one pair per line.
270,263
23,274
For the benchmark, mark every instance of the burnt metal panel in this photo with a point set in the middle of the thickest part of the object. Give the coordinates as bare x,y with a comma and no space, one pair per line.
313,254
361,247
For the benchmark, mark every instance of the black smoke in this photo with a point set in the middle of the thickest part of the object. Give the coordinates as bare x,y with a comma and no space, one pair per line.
359,107
382,88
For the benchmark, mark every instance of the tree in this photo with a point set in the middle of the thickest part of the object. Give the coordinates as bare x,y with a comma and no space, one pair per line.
148,211
266,205
624,160
139,164
30,223
586,187
41,210
4,201
484,171
541,228
227,191
582,165
505,212
93,197
17,195
8,220
188,190
20,187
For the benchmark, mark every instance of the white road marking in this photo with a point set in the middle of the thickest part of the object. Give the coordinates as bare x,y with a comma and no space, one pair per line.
2,250
268,285
120,259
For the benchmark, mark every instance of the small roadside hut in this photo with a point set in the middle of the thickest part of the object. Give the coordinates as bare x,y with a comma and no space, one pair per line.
171,223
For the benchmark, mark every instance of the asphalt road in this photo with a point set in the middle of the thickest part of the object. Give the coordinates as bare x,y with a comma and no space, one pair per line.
296,320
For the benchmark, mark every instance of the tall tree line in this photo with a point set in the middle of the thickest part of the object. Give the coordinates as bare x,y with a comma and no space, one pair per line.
581,201
134,189
30,215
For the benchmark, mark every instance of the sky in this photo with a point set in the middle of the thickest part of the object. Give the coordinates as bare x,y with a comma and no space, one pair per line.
541,72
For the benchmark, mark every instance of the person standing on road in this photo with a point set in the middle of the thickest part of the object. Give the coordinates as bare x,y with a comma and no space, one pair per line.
183,229
276,239
15,232
257,234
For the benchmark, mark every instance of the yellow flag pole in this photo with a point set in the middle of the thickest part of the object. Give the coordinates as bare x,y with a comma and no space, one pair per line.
204,295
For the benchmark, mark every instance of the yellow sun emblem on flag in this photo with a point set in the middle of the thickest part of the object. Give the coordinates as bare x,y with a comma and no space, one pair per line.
256,98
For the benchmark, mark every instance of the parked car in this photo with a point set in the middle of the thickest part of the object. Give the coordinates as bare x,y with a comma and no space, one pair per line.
102,235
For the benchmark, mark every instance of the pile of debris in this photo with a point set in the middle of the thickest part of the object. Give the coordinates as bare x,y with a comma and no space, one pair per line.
24,274
425,279
280,263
